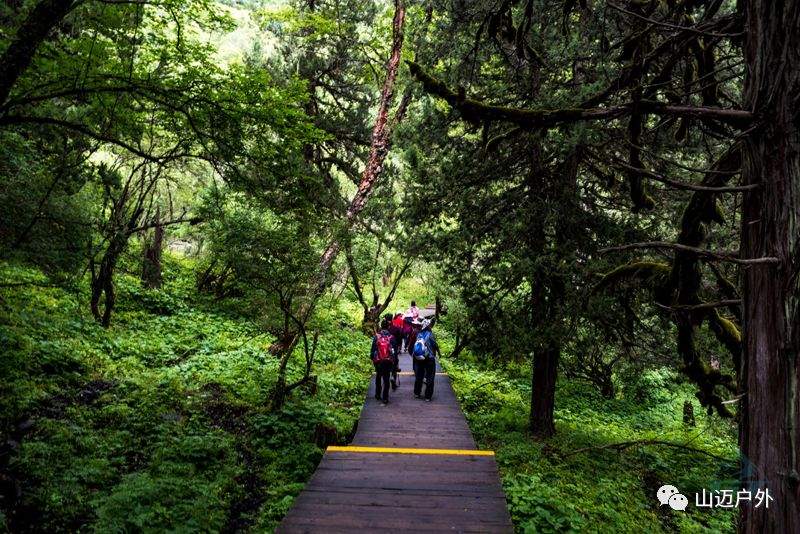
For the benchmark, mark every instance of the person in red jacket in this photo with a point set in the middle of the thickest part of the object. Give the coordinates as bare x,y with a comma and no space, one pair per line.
397,341
398,320
408,329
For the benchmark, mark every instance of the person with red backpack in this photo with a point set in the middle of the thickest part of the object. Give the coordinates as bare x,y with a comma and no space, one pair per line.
397,341
382,355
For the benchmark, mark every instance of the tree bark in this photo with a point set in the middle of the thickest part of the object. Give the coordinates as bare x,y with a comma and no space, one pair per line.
103,283
771,298
543,390
151,261
41,20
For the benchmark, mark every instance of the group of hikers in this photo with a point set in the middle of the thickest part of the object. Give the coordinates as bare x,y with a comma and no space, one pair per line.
404,331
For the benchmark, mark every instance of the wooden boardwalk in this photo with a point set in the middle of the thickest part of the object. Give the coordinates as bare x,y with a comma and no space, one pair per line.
432,478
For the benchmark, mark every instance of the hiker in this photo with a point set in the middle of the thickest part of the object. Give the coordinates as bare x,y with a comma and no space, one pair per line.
397,323
424,352
398,319
383,359
412,337
396,328
413,311
408,329
397,341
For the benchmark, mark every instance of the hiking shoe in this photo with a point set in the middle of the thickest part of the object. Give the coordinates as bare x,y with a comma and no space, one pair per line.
417,396
428,400
385,403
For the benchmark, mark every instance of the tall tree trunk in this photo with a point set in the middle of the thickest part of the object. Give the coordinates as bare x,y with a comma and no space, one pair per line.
41,20
770,431
549,301
379,148
461,342
372,319
543,390
549,292
151,262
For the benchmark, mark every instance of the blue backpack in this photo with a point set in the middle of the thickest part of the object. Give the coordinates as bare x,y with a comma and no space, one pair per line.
421,349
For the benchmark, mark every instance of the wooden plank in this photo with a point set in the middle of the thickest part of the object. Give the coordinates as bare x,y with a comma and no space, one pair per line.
353,449
410,462
408,500
421,514
384,522
456,441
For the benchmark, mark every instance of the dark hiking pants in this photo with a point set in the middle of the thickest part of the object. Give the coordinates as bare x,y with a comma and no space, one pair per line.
425,369
395,370
382,371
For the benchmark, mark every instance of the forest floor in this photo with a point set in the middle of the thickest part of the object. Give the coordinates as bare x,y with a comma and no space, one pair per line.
161,421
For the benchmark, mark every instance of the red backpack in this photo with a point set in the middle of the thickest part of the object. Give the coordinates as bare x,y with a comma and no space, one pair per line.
384,345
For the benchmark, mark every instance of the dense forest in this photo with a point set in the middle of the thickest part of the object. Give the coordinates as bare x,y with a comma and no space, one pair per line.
207,206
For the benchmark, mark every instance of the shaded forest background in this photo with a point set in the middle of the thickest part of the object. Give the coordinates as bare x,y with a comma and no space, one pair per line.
204,207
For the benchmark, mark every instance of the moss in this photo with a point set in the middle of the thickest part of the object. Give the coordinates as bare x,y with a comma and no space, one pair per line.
727,326
647,271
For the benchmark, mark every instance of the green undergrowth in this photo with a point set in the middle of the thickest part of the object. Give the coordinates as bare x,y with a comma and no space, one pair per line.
159,422
552,486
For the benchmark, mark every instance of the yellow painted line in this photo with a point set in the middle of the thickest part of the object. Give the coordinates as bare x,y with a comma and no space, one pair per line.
401,450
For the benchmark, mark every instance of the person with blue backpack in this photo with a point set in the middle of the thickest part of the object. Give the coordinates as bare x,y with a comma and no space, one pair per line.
382,355
424,353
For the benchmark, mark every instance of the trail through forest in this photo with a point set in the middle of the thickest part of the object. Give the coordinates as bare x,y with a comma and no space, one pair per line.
412,465
209,207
